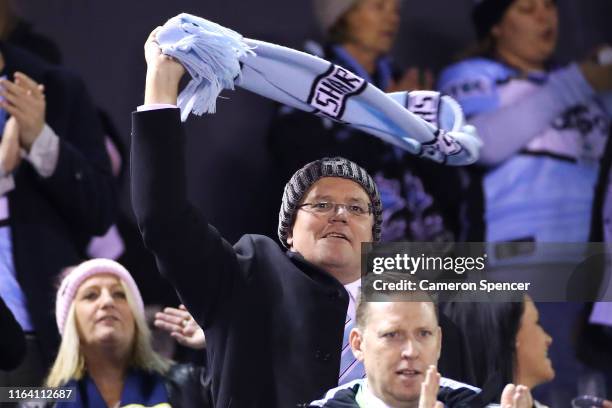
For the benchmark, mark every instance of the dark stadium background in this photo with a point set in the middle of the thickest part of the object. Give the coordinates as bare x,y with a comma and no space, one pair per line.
228,160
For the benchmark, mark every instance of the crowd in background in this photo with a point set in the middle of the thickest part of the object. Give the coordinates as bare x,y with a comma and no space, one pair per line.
543,176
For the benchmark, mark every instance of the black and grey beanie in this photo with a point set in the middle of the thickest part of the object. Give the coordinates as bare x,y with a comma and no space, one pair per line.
305,177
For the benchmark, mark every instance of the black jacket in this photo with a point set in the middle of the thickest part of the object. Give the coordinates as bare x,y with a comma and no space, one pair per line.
187,387
52,219
451,394
273,322
12,340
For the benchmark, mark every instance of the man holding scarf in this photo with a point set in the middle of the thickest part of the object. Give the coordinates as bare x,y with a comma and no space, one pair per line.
276,322
273,320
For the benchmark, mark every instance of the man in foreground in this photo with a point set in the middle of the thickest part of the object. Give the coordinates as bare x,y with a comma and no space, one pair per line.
399,342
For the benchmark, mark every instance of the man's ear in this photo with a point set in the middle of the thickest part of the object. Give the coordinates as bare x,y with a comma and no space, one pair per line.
290,239
356,342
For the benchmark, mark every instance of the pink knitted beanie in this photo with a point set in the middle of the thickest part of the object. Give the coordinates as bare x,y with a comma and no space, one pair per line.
71,283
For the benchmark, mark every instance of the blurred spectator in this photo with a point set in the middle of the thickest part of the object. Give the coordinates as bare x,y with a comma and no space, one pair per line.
122,240
106,353
595,329
423,201
601,224
506,343
595,334
544,130
54,200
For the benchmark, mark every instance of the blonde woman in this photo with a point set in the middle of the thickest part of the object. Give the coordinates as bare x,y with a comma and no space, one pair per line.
106,354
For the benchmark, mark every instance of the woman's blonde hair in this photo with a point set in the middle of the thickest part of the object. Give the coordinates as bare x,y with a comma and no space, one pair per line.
70,362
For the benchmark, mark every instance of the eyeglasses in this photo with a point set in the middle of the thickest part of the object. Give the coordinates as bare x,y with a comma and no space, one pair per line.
326,207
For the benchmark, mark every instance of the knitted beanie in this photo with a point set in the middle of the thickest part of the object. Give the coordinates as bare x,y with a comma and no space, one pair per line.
71,283
328,12
305,177
487,13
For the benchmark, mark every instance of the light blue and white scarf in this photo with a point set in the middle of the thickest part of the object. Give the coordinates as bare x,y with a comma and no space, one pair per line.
423,123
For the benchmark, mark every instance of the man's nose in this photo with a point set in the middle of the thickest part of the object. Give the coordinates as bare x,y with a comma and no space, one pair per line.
410,350
339,213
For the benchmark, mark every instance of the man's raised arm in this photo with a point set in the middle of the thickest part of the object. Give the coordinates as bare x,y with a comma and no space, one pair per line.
189,252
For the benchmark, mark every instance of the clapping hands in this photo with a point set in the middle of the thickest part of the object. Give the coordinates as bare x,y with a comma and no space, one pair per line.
429,389
24,100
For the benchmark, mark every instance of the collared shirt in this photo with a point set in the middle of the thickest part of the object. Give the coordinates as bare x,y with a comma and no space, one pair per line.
366,399
353,291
